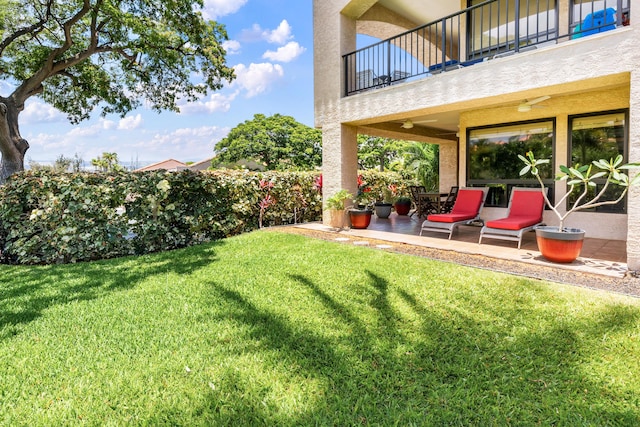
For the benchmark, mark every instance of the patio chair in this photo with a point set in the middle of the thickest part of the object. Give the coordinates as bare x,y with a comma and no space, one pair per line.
424,205
526,206
363,80
447,204
466,210
415,190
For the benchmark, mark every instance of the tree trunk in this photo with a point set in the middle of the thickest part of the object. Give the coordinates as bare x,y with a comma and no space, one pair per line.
12,146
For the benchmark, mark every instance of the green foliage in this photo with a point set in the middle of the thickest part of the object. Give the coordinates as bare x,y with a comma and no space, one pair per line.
582,177
116,54
62,164
423,160
277,142
379,153
108,162
378,182
268,329
337,201
59,218
493,159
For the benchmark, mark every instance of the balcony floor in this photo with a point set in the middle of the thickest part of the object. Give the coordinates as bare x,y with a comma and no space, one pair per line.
598,256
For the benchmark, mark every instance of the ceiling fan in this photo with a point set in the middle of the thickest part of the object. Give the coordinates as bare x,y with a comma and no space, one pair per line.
526,106
408,124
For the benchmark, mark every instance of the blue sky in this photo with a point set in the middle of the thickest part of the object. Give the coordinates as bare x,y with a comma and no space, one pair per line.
270,47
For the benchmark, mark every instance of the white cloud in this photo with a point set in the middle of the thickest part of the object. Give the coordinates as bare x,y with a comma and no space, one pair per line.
39,112
285,53
197,142
184,144
214,9
49,142
281,34
89,141
94,129
278,36
130,123
257,78
232,47
217,103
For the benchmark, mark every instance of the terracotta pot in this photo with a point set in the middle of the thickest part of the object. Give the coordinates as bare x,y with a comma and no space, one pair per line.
336,218
383,210
557,246
360,218
402,208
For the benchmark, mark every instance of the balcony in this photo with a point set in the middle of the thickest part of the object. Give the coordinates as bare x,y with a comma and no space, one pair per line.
482,32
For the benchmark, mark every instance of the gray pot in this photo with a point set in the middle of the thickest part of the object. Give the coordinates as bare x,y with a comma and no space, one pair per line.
552,232
383,210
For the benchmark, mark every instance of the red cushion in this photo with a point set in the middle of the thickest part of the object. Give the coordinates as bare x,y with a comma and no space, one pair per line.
526,203
450,217
513,222
468,202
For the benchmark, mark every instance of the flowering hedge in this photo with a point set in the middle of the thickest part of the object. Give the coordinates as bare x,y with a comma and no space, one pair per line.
50,218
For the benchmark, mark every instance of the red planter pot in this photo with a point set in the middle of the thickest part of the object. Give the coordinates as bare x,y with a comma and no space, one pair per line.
556,246
402,208
360,218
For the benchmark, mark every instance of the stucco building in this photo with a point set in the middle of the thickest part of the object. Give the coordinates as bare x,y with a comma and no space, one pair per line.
486,80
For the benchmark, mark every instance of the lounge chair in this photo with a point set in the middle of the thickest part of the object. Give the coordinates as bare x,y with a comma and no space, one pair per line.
466,209
525,213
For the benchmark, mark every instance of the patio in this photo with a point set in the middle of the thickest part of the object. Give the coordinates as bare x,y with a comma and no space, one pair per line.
598,256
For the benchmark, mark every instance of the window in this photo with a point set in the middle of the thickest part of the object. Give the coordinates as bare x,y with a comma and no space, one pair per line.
594,137
493,157
503,25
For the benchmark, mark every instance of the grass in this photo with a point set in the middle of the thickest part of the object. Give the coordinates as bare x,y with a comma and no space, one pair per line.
275,329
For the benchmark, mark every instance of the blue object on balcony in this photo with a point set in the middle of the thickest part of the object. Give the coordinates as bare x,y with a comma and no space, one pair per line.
438,67
596,22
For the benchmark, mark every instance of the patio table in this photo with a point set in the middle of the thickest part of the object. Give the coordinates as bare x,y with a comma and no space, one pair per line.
429,203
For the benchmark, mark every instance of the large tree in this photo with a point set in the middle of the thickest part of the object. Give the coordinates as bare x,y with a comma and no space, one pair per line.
113,54
381,153
277,142
423,160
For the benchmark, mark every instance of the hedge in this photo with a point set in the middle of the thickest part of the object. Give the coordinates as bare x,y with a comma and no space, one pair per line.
48,217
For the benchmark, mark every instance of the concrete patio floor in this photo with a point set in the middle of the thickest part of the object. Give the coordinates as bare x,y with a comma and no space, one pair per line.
598,256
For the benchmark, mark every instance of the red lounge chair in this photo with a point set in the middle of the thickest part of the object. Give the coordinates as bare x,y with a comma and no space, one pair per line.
466,209
525,213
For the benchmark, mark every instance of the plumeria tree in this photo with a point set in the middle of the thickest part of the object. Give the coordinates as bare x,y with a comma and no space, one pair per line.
78,55
583,177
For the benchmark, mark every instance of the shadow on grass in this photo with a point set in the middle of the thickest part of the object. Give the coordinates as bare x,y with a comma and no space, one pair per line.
25,292
439,365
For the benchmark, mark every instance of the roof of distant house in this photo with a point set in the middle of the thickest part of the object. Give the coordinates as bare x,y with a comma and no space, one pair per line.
201,165
170,165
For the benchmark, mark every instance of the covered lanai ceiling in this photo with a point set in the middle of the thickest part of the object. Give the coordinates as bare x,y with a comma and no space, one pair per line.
422,11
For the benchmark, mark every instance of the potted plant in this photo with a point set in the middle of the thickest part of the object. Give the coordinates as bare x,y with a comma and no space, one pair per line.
402,205
562,244
360,214
383,208
335,208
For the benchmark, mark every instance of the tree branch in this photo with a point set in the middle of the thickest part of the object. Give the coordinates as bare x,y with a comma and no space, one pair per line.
32,29
33,84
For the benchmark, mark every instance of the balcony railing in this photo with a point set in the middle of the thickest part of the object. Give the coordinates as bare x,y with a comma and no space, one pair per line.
484,31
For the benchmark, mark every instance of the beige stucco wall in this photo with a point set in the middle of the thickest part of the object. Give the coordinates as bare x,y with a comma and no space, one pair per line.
556,70
633,217
334,34
558,108
590,74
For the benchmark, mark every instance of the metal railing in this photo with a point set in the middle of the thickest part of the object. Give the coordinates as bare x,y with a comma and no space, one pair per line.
487,30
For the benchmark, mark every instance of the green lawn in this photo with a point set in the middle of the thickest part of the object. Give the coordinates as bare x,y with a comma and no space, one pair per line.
275,329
